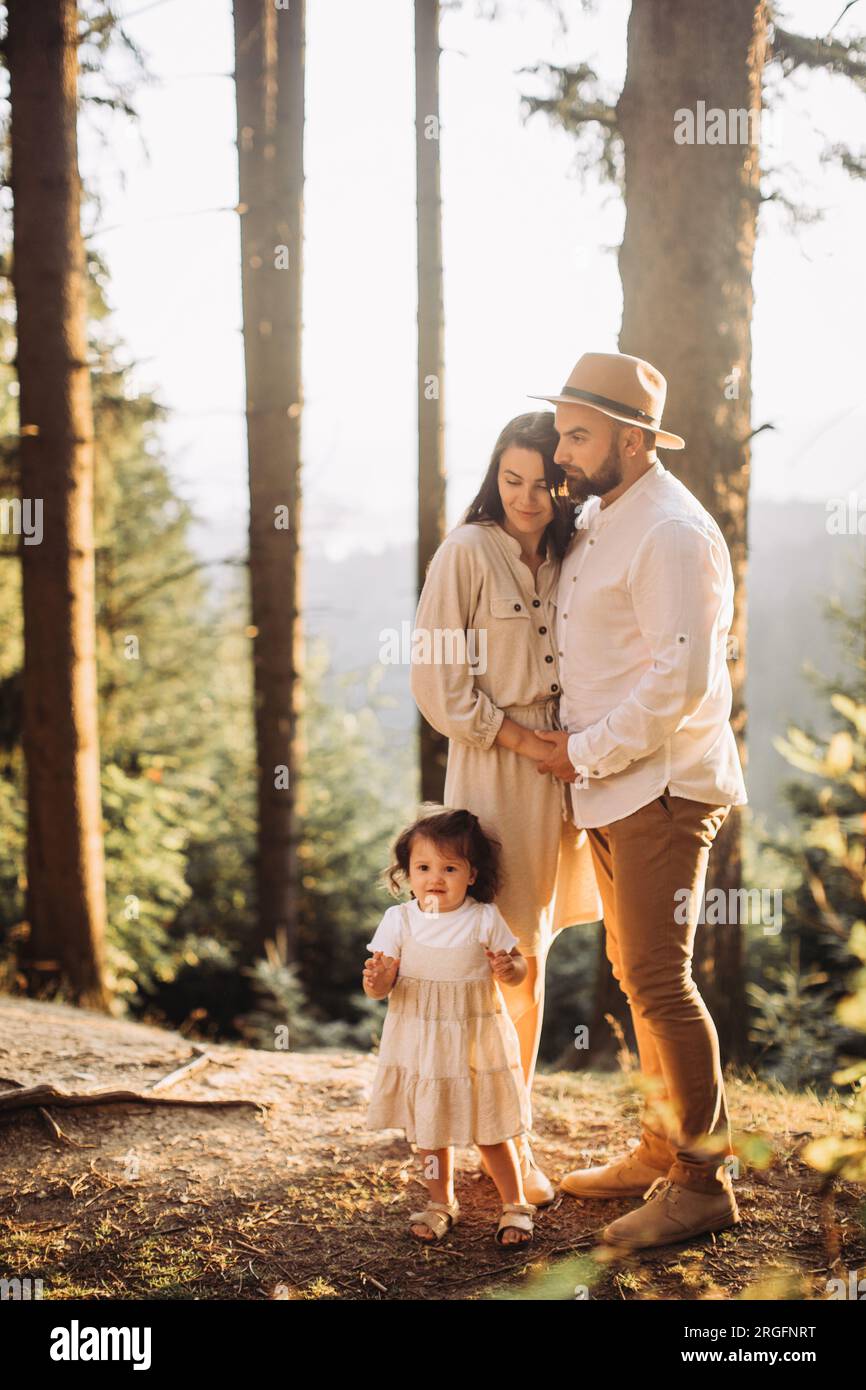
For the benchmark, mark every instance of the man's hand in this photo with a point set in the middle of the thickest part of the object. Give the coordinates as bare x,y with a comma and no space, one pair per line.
380,972
559,763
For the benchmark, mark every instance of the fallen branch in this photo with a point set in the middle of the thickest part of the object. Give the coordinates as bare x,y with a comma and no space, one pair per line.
45,1094
26,1097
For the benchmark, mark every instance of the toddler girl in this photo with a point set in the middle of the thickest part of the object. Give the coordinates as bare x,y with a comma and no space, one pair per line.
449,1069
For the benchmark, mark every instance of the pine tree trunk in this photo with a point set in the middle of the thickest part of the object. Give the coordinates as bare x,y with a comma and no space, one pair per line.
686,266
269,49
66,907
431,342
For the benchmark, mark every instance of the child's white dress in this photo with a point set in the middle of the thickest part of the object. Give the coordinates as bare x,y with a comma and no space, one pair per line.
449,1059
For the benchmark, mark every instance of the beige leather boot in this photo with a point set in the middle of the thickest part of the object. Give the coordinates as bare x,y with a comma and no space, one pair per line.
673,1213
626,1177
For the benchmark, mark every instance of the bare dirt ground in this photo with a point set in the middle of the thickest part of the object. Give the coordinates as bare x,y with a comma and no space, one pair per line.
292,1198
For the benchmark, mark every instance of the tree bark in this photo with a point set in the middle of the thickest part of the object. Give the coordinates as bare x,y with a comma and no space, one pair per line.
269,74
66,907
686,266
431,343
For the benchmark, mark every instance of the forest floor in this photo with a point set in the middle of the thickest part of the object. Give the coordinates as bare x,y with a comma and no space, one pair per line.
290,1197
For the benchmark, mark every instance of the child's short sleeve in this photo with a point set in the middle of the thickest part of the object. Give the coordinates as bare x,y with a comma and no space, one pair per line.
388,935
495,931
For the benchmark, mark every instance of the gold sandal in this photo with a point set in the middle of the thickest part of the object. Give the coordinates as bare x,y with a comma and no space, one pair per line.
518,1215
438,1217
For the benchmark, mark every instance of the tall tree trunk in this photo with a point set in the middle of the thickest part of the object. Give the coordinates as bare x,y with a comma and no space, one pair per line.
431,342
66,907
686,265
269,73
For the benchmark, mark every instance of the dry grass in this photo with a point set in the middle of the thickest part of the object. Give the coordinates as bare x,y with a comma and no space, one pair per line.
299,1201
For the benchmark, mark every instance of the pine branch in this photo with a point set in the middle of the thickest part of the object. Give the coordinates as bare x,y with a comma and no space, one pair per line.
577,98
165,581
832,55
576,104
845,157
839,18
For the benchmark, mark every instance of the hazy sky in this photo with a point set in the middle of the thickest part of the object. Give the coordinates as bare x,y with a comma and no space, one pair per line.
529,283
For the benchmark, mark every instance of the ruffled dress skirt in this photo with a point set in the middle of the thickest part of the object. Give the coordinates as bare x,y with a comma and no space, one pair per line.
449,1069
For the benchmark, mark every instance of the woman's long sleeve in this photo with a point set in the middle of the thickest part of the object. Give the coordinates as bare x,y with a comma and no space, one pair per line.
443,682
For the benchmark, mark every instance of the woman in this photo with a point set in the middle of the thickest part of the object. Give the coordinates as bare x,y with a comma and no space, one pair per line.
494,577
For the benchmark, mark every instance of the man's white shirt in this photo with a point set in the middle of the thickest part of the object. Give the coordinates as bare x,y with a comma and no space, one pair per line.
644,608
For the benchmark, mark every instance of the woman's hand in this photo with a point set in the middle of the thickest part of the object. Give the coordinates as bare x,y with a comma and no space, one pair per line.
556,759
521,740
509,967
380,972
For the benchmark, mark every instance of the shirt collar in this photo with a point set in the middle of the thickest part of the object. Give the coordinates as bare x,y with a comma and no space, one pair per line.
593,514
513,545
466,905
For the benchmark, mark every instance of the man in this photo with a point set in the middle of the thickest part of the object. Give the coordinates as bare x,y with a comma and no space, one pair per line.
645,603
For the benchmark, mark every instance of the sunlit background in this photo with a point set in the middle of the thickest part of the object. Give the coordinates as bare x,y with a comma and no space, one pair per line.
531,282
530,268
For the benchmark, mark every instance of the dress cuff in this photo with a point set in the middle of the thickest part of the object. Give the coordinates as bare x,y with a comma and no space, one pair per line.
491,723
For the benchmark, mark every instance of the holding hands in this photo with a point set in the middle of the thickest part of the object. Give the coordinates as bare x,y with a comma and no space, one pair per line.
558,762
548,748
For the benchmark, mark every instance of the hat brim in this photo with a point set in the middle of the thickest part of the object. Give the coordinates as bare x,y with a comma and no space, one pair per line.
664,439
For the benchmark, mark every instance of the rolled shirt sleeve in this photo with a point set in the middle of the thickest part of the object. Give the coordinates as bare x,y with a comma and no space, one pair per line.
445,691
680,585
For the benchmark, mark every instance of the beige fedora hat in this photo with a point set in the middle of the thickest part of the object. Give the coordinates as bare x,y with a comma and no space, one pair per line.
625,388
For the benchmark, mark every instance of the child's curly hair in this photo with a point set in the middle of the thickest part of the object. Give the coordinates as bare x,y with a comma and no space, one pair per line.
458,831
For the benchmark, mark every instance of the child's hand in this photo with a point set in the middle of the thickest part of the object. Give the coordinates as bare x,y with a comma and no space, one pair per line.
380,972
504,966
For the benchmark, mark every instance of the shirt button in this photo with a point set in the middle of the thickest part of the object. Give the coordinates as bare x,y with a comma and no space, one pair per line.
574,579
562,653
592,542
517,607
548,658
554,688
542,630
536,603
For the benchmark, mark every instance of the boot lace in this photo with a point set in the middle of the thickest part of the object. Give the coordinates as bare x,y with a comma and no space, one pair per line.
659,1187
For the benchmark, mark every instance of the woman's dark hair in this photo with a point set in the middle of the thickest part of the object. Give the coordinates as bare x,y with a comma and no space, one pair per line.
534,430
458,831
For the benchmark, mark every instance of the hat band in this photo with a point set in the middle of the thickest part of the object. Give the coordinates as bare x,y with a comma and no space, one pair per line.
592,399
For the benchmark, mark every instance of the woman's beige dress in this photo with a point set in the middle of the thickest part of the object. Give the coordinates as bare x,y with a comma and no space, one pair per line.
477,583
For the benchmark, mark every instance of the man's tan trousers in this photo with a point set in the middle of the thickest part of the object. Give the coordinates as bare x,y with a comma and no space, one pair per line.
651,867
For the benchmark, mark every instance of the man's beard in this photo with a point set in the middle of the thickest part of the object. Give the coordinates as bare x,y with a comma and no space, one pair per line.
606,479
